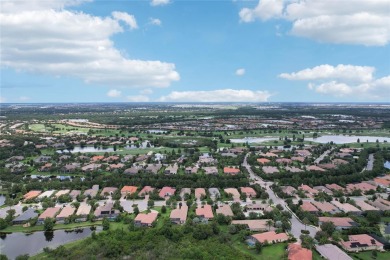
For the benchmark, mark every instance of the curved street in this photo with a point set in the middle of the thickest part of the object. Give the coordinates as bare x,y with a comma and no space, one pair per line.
296,224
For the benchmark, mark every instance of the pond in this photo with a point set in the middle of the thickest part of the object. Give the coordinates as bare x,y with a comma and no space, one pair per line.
386,165
345,139
91,149
19,243
337,139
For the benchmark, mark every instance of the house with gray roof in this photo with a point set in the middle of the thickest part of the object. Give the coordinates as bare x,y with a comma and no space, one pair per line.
25,217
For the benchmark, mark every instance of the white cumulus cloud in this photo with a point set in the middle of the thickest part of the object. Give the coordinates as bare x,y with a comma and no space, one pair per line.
155,21
344,81
240,72
221,95
48,39
113,93
341,71
147,91
159,2
138,98
127,18
342,22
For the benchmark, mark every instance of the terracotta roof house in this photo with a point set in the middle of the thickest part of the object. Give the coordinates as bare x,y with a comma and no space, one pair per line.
270,169
83,212
314,168
382,182
61,192
25,217
145,190
289,190
231,171
199,192
108,190
171,169
325,207
270,237
47,194
329,251
339,222
97,158
31,194
117,166
270,155
283,161
128,190
249,191
191,170
255,225
263,160
303,153
234,192
91,167
145,220
363,186
346,207
225,210
166,192
179,215
48,213
153,168
106,211
377,203
323,189
205,212
132,170
74,193
361,242
210,170
65,213
91,192
334,187
365,206
308,189
307,206
297,252
298,158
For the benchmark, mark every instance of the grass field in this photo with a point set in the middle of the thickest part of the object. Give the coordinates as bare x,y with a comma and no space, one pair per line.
369,256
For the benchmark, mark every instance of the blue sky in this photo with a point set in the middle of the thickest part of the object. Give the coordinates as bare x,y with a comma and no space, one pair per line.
160,50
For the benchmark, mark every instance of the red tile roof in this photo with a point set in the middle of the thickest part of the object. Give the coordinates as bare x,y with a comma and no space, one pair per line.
297,252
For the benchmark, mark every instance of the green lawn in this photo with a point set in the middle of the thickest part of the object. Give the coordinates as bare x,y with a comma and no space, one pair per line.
368,255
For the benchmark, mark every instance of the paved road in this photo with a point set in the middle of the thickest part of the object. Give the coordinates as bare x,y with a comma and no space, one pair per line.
296,224
370,163
322,156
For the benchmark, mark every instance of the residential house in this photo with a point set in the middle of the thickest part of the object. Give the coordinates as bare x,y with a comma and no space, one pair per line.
48,213
210,170
248,191
128,190
205,212
32,194
74,193
199,192
91,167
339,222
179,215
106,211
326,207
270,169
263,160
132,170
171,169
293,169
108,191
234,192
347,208
329,251
362,242
153,168
166,192
83,212
25,217
289,190
225,210
255,225
65,213
145,220
270,237
214,193
297,252
307,206
231,170
145,191
365,206
191,170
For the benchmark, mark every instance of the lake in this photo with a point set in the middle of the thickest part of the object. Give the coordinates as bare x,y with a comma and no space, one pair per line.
19,243
337,139
91,149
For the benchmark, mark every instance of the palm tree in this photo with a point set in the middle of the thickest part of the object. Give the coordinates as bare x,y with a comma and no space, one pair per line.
269,224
